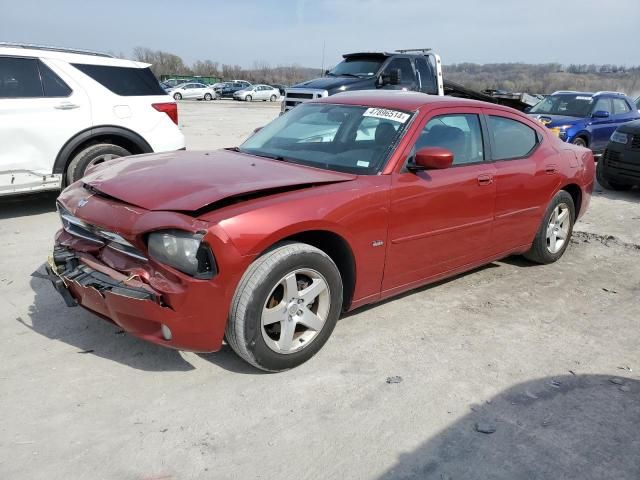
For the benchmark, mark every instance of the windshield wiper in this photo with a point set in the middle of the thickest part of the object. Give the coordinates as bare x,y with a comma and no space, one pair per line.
349,75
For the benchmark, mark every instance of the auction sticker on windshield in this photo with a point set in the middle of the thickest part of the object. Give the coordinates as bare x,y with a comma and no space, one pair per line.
387,114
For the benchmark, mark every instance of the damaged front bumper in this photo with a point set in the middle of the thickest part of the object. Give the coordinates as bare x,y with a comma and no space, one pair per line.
81,279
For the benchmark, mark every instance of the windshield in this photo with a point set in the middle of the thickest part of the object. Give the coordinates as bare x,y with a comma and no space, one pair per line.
570,105
358,66
344,138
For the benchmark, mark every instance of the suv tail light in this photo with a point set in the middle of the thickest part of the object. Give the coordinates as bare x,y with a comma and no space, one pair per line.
170,108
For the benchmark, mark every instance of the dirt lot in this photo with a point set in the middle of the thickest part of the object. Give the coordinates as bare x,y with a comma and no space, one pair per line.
547,356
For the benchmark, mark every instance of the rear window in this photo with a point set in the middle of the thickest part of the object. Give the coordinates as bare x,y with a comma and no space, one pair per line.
124,81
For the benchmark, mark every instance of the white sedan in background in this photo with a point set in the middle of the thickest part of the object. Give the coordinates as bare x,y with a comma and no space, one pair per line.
193,90
257,92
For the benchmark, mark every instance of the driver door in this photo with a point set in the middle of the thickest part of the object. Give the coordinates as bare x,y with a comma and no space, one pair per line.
441,220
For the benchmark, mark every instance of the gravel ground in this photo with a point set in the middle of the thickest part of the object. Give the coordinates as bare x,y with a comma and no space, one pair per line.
545,357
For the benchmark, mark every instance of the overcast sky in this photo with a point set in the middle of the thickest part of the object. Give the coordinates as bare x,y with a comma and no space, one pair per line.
293,31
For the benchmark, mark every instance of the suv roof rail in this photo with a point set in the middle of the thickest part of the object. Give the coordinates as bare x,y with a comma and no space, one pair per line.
608,92
33,46
421,50
566,91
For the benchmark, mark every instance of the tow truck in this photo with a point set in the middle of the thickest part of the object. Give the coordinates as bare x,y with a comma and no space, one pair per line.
415,69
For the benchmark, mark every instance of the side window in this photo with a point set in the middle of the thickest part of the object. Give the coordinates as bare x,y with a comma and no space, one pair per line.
19,78
620,106
428,82
602,104
406,70
52,84
124,81
511,139
459,133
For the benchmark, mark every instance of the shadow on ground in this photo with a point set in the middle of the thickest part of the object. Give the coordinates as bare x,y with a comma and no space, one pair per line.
568,427
632,195
91,335
28,204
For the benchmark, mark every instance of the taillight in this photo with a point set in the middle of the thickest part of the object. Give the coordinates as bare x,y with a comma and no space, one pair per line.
171,109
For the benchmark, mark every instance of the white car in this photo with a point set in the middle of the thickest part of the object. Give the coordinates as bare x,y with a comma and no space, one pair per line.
63,110
193,90
257,92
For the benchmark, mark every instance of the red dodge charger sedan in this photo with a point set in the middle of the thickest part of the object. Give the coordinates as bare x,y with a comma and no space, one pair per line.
341,202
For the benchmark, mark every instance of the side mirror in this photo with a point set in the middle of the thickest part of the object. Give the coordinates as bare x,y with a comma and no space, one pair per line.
526,110
431,158
392,77
600,114
326,72
395,76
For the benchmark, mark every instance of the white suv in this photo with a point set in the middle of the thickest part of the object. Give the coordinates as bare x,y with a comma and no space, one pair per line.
63,110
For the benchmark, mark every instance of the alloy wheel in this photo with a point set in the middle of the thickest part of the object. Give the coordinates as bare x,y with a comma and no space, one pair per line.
558,228
296,310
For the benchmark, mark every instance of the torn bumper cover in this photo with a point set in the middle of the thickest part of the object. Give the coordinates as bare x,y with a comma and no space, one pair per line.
65,266
129,303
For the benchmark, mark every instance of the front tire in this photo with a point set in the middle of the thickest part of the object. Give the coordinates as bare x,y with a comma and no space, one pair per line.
208,97
248,98
579,141
285,307
272,98
177,96
92,155
554,234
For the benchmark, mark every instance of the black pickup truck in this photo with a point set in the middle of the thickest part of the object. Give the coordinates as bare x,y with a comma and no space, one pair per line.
419,70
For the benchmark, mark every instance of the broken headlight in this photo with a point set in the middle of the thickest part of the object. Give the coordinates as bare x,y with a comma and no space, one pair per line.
183,251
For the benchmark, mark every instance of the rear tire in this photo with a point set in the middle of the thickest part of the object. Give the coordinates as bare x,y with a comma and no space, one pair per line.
608,184
273,324
554,234
248,98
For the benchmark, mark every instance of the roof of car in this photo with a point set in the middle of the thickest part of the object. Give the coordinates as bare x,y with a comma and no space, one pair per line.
67,55
402,100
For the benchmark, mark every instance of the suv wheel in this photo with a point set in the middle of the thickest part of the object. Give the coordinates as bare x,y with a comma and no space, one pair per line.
285,307
608,184
177,96
92,155
581,142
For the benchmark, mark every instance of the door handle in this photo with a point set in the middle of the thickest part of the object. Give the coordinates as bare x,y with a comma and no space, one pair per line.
66,106
485,179
550,169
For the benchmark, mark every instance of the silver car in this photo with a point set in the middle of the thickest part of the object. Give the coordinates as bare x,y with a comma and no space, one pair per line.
193,90
257,92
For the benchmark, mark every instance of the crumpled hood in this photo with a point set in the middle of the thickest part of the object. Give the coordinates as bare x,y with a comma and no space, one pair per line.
556,120
188,181
331,83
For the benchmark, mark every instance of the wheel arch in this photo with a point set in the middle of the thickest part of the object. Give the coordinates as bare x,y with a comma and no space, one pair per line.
116,135
584,135
576,194
337,247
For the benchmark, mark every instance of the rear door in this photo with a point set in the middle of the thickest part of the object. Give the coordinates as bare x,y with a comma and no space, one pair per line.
526,174
441,219
40,109
623,112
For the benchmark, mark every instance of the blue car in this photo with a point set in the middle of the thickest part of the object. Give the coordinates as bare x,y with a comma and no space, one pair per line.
585,119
